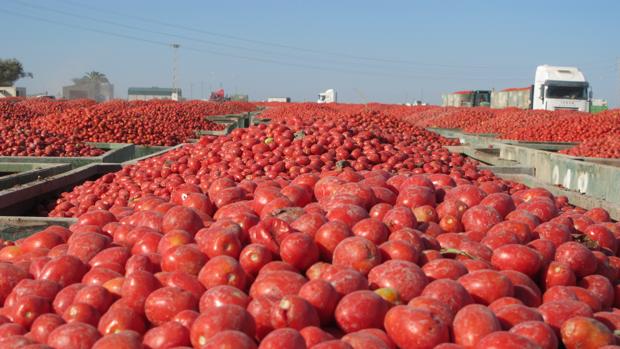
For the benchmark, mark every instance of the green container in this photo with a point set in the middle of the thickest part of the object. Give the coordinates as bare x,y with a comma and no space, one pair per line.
261,121
242,119
447,132
153,152
15,227
574,197
549,146
141,151
484,155
230,125
16,173
483,135
23,199
596,180
115,153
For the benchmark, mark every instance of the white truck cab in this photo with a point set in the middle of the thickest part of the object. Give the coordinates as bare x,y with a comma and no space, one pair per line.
560,88
328,96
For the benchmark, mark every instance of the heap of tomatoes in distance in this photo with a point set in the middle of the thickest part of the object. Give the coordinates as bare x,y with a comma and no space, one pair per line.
331,227
43,127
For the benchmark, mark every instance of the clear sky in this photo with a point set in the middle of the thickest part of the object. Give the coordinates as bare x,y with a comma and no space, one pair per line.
385,51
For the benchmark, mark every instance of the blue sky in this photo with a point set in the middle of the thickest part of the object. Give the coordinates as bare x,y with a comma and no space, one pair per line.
390,51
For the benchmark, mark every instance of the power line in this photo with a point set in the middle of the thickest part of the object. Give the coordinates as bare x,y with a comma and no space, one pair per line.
184,37
281,63
279,45
223,44
156,42
302,49
208,42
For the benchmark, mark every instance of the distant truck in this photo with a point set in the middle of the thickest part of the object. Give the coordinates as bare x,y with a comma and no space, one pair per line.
415,103
516,97
328,96
475,98
554,88
279,99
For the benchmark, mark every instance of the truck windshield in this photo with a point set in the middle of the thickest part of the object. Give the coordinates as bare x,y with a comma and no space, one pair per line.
482,98
567,92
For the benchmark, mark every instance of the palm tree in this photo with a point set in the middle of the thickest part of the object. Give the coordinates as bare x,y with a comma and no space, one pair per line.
95,79
93,76
96,76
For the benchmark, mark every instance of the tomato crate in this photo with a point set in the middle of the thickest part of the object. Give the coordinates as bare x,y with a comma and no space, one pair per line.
23,199
152,151
444,129
17,173
141,151
479,140
18,227
597,180
229,126
602,161
550,146
446,132
575,198
259,121
242,119
115,153
484,155
490,140
484,135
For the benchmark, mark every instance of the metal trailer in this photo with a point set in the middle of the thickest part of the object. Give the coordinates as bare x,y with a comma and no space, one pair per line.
514,97
477,98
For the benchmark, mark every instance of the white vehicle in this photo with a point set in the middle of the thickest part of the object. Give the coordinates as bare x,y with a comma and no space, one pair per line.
279,99
555,88
560,88
328,96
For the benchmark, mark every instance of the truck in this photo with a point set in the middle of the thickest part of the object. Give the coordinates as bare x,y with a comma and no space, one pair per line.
515,97
279,99
554,88
328,96
474,98
560,88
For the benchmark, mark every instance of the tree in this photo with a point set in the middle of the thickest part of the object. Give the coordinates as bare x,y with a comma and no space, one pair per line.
93,76
94,81
11,70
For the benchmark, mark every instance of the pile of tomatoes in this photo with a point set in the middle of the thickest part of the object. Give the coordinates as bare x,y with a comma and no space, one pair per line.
19,138
44,127
573,127
24,141
331,227
607,146
286,149
139,122
594,131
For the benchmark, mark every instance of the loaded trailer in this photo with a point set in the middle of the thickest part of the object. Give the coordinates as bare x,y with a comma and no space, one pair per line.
554,88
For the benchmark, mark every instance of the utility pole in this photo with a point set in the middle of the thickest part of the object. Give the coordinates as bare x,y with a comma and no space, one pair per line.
618,69
175,49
